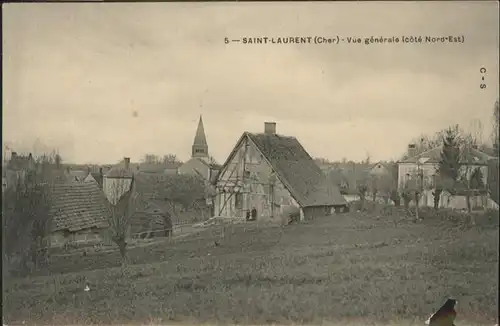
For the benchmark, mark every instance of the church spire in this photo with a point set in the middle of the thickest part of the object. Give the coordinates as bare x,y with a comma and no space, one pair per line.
200,146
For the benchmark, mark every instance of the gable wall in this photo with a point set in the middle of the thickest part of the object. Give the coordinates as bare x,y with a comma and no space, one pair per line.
257,191
114,188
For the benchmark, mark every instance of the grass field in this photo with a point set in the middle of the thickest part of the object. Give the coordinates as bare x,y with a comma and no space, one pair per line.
347,269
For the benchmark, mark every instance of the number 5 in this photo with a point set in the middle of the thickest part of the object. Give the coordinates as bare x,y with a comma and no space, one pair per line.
226,40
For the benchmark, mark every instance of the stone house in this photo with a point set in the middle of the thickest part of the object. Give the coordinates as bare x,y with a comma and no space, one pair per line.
426,164
267,173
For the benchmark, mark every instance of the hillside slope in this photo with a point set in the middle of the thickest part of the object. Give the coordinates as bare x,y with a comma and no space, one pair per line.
344,268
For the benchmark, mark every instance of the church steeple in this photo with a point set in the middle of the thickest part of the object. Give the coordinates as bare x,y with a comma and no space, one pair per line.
200,146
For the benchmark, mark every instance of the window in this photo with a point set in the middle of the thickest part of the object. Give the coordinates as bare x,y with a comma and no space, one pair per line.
238,199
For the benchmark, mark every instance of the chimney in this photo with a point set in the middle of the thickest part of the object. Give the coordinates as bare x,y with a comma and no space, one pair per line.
127,162
270,128
412,150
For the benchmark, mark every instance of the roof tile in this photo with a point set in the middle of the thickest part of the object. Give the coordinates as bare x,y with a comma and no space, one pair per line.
76,206
297,170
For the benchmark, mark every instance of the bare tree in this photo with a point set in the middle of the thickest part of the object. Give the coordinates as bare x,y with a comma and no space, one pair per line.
408,189
373,185
151,159
407,196
386,187
470,176
413,190
495,125
362,189
170,158
122,199
476,132
322,161
427,142
212,160
493,182
367,160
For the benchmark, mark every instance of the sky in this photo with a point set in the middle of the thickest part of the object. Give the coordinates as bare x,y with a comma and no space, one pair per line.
75,73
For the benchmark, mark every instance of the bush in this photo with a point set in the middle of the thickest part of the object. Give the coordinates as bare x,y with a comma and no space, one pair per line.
290,215
488,217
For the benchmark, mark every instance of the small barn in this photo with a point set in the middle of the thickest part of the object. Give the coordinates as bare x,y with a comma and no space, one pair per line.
267,174
78,213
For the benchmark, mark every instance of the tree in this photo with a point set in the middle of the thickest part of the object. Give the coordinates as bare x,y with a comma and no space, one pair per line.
493,182
426,142
26,210
394,196
374,186
449,164
122,206
407,196
476,132
495,125
322,161
184,189
367,160
408,189
212,160
477,179
170,158
362,189
26,222
151,159
469,176
387,188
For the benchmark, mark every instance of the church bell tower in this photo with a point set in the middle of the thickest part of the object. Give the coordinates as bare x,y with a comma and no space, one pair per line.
200,146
